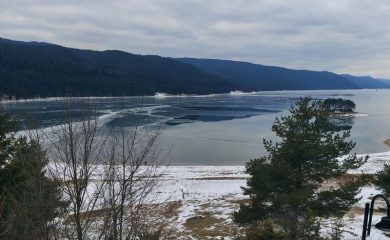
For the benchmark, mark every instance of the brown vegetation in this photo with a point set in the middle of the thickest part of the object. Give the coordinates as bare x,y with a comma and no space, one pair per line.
387,142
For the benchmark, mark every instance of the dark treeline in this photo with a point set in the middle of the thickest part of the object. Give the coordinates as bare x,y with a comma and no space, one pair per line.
32,69
260,77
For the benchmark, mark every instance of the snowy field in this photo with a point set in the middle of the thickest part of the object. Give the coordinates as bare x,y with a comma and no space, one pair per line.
207,196
216,190
208,192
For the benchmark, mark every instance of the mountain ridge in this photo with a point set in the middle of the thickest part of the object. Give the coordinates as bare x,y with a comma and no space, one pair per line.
262,77
50,70
32,69
368,81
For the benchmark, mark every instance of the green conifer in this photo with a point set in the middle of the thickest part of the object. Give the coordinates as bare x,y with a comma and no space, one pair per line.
288,186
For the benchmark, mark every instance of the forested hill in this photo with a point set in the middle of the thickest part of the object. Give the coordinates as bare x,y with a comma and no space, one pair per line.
39,69
368,82
269,77
31,69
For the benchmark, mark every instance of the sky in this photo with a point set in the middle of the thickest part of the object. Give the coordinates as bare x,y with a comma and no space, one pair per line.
343,36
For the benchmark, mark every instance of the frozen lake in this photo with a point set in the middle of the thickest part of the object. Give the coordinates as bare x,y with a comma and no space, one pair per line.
223,129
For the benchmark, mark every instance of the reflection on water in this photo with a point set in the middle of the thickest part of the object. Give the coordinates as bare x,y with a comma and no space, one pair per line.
216,129
342,123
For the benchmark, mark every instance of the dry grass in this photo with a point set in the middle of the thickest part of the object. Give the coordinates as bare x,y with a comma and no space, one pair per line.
337,182
209,222
93,214
207,226
239,201
356,211
219,178
168,210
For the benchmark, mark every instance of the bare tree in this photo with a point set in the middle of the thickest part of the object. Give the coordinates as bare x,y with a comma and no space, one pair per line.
132,176
109,176
76,152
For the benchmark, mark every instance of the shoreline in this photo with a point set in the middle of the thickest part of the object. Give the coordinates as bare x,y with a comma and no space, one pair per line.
164,95
349,114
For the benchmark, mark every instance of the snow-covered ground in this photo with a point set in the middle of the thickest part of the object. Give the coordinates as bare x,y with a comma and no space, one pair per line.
217,189
213,193
374,163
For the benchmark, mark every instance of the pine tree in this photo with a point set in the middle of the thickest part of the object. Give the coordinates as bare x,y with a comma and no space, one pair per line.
287,186
29,199
7,129
382,179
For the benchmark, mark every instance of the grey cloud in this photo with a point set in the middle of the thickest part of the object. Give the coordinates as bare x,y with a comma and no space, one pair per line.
345,36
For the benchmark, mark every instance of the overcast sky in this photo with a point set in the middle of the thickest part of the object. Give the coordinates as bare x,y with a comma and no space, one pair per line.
344,36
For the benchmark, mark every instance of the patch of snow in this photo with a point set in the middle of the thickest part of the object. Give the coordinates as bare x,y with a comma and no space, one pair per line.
240,93
374,164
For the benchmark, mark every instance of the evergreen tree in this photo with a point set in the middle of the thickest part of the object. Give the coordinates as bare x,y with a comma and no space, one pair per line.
339,104
7,129
382,179
265,230
29,200
287,186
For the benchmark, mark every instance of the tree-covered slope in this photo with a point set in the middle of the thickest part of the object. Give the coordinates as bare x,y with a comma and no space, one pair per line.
29,69
367,81
260,77
40,69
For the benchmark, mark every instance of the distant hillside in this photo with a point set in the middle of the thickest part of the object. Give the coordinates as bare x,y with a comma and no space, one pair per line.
368,82
260,77
30,69
40,69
